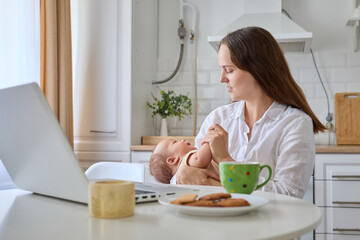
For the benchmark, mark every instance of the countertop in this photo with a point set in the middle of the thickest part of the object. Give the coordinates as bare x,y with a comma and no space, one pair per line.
149,142
337,148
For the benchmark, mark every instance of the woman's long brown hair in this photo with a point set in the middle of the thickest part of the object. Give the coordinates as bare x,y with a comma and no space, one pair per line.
255,50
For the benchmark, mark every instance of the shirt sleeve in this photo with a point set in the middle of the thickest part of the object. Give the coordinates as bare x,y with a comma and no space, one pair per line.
295,161
209,120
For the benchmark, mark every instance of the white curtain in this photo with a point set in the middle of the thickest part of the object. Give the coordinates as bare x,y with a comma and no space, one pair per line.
19,42
19,50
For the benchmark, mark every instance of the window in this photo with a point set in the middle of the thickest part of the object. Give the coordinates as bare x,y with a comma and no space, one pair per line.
19,42
19,50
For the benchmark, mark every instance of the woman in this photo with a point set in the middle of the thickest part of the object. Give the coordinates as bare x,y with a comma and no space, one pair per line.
269,120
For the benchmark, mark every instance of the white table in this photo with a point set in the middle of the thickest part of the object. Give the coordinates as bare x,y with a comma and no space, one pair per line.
29,216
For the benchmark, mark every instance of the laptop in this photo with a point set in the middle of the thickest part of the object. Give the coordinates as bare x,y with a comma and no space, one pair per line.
38,156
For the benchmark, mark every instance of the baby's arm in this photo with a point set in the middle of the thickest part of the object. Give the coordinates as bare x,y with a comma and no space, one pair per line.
201,158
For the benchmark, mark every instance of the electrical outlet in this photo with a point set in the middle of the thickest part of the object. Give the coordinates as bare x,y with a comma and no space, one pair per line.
330,123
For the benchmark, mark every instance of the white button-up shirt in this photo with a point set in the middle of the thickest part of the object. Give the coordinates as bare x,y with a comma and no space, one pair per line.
283,139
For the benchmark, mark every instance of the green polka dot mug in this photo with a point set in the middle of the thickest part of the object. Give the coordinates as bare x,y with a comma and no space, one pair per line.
242,177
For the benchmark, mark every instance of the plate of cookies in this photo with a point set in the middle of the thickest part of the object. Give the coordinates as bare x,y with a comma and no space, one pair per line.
215,204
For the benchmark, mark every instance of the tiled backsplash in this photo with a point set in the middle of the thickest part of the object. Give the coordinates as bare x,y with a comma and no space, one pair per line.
340,72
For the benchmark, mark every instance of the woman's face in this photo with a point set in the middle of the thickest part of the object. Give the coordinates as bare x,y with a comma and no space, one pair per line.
240,84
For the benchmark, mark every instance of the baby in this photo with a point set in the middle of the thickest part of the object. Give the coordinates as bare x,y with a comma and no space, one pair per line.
171,154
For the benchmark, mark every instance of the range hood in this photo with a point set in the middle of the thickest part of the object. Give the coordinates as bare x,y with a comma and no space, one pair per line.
268,15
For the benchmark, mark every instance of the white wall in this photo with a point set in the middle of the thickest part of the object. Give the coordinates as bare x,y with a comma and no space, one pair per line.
144,62
332,44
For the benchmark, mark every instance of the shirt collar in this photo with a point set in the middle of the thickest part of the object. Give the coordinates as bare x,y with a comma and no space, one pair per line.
239,110
273,112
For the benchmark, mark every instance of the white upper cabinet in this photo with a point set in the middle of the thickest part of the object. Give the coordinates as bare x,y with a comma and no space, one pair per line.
101,44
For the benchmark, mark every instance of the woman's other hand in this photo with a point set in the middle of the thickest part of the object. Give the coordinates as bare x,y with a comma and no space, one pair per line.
194,176
217,138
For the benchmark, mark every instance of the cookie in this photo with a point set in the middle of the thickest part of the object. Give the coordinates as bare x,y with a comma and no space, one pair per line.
185,198
202,203
233,202
215,196
210,200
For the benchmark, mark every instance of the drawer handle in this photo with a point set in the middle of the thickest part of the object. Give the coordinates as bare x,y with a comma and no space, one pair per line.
343,202
346,229
346,176
99,131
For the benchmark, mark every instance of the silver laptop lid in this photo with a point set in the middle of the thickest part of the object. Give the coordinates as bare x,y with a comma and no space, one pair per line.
34,149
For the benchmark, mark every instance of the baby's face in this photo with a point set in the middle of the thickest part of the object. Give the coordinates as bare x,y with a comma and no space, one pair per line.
174,147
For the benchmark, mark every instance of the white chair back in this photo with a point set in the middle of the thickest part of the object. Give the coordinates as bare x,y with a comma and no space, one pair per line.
117,170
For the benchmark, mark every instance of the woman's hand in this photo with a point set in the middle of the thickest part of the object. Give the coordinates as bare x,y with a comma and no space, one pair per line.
217,138
194,176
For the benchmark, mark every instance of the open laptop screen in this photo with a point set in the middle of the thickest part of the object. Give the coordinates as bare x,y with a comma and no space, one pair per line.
33,147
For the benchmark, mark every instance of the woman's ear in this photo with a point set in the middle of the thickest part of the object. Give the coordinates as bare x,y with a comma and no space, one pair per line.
172,160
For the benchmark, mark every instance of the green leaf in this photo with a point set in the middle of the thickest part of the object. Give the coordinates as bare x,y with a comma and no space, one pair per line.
170,105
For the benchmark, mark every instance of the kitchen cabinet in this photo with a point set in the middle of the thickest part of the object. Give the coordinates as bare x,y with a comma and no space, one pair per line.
337,193
336,237
101,41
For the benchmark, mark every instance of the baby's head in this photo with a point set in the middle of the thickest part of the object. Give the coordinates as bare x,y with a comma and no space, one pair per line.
165,158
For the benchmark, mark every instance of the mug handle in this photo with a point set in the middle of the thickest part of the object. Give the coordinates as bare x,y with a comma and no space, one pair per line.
268,178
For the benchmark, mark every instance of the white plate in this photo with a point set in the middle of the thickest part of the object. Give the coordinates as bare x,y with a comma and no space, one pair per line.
255,202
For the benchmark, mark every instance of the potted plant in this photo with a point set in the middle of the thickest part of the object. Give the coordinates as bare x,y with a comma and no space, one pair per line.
170,105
